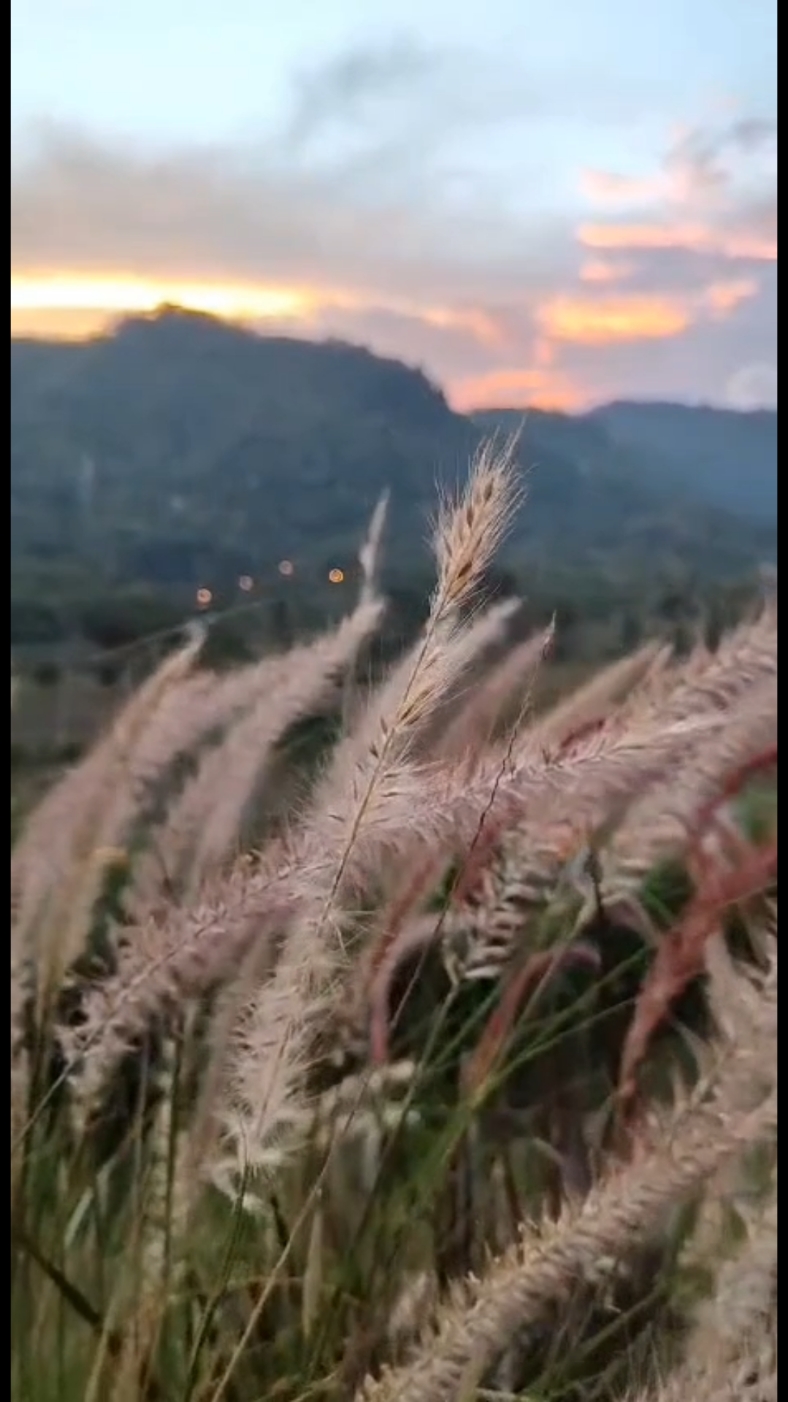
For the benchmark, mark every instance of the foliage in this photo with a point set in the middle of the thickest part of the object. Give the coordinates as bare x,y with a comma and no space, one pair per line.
225,1184
179,452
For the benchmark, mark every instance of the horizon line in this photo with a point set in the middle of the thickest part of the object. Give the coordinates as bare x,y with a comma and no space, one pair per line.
115,320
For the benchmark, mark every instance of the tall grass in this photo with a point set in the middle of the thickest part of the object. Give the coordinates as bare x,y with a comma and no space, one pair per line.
273,1137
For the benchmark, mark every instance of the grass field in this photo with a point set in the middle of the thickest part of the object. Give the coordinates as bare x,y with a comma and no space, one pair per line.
413,1044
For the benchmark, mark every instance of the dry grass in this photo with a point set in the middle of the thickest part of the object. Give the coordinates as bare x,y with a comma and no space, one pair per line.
462,1084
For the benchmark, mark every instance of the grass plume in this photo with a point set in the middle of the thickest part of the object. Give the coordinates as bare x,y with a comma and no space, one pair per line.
275,1135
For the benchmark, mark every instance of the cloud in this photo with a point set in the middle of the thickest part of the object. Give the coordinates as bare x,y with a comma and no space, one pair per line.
722,298
137,294
603,270
502,388
593,322
353,85
699,365
246,215
704,163
364,216
47,323
606,187
749,244
752,386
437,280
713,194
700,166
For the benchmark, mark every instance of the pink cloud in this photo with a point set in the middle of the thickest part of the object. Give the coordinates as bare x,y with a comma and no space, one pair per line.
600,270
606,187
693,238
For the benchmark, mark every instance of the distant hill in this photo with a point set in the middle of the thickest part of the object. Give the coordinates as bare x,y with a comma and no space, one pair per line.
180,450
716,457
179,441
721,456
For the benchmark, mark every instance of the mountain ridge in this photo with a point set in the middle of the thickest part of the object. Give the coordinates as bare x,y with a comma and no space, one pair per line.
180,448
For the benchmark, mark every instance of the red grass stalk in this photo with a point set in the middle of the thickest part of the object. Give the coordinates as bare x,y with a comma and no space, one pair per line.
525,981
581,732
731,844
417,937
681,957
481,855
735,782
400,908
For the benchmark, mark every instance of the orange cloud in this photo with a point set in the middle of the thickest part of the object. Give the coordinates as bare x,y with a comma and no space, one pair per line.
545,353
58,325
722,298
524,388
694,238
590,322
74,305
597,270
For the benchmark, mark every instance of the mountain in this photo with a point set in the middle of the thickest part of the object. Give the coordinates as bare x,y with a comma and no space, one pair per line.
179,440
721,456
179,451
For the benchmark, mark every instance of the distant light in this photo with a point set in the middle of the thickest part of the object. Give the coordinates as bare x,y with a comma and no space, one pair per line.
246,583
204,598
336,576
286,567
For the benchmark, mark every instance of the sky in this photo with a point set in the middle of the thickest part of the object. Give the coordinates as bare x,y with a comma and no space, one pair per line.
551,203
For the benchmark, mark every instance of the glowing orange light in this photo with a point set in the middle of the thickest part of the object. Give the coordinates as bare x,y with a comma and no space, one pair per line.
204,598
132,294
286,567
246,583
336,576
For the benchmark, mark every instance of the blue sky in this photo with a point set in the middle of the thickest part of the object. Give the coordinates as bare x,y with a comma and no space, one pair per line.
553,202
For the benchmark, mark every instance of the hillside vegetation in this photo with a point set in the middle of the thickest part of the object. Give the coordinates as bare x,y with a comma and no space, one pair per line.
434,1060
179,452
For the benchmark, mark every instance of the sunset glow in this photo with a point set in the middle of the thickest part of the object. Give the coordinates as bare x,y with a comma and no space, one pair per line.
78,305
596,270
545,205
599,323
113,295
695,238
520,388
74,306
